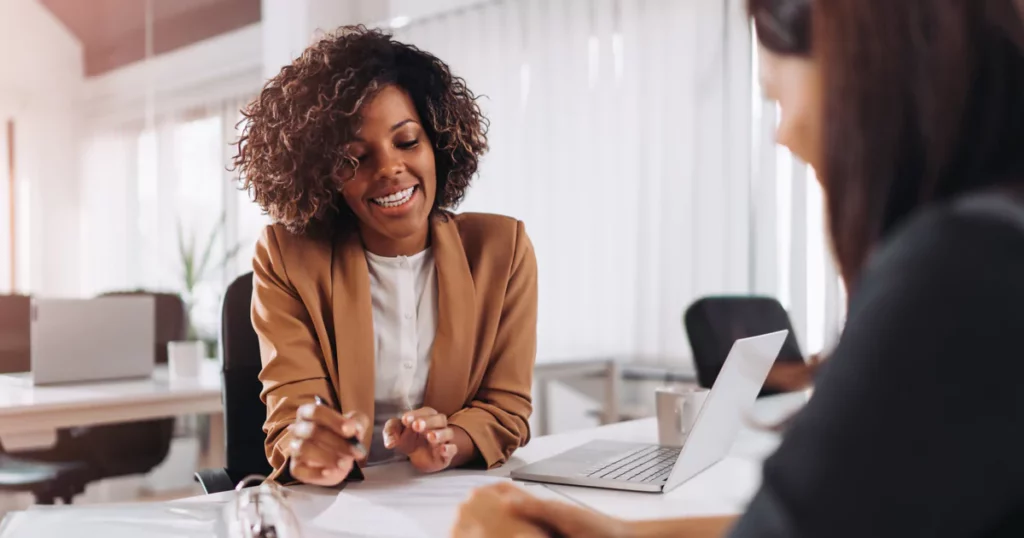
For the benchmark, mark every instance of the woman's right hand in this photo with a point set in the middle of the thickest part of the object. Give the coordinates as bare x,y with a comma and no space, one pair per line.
320,451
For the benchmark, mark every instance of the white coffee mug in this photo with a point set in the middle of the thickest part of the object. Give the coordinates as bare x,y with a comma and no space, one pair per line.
184,358
677,409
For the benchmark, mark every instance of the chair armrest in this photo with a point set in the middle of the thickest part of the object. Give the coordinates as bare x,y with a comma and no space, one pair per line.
214,480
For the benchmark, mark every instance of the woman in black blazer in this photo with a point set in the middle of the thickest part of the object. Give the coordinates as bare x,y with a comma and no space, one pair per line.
912,114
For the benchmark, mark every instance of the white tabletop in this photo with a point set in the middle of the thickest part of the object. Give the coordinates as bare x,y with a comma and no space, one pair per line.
28,411
725,488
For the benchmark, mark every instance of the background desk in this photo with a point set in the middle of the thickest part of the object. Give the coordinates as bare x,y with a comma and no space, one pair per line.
612,370
30,416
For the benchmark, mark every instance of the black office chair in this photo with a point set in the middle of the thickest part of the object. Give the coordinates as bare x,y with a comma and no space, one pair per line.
713,324
244,412
46,481
20,473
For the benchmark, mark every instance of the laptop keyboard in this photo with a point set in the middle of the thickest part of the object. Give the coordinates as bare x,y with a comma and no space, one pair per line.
645,464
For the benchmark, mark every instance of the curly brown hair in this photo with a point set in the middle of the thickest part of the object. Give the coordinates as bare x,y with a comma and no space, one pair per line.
292,155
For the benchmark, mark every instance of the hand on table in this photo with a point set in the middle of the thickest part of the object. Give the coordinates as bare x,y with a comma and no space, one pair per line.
486,515
424,436
320,451
492,510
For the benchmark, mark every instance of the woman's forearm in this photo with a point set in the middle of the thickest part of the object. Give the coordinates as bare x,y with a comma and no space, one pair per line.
696,527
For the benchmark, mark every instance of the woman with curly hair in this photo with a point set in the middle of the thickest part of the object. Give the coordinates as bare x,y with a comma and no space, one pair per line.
383,318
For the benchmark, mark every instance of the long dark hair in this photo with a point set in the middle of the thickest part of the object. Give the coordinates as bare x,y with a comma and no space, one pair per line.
782,26
923,101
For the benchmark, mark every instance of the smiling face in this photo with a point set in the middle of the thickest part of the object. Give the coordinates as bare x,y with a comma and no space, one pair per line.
392,191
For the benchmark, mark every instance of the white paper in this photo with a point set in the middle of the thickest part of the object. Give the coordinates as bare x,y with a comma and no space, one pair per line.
158,520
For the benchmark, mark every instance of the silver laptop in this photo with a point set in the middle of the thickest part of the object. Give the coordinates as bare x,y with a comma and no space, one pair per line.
656,469
75,340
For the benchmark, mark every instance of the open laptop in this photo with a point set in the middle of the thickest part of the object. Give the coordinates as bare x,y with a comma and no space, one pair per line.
76,340
657,469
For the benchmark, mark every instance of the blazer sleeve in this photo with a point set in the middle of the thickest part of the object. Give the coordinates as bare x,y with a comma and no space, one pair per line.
293,365
497,419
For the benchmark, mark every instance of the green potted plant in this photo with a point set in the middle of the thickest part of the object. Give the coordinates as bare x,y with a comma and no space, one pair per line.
197,263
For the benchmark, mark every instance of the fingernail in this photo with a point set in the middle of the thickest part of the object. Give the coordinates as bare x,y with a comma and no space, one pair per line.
421,424
302,429
295,445
432,436
347,430
326,472
307,411
342,463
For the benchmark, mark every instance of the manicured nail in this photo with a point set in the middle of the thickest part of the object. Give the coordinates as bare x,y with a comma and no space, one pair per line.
421,425
342,463
302,429
307,411
295,445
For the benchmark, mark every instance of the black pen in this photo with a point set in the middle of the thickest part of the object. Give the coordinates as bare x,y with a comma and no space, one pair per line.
354,441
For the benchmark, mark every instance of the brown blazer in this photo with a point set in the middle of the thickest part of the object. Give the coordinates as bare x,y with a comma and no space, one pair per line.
311,309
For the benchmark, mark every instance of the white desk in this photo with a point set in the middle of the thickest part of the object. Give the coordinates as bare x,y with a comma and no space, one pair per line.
30,416
725,488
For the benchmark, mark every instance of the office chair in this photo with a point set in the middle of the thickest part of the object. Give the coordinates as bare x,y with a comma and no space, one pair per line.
244,411
46,481
713,324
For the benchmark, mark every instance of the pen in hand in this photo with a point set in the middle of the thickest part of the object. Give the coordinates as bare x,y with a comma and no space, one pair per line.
354,441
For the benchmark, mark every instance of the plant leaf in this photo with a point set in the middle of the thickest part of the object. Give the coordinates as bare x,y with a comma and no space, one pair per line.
204,260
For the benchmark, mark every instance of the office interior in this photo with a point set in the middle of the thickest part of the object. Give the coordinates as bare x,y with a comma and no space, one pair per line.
643,188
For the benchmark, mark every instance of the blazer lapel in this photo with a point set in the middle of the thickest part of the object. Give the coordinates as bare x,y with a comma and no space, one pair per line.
353,327
452,354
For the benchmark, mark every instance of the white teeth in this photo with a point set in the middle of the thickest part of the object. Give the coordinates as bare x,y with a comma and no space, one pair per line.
395,199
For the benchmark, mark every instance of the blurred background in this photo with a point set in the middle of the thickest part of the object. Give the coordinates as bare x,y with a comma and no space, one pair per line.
629,135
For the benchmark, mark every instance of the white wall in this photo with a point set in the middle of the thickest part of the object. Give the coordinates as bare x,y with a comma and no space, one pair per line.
40,72
418,9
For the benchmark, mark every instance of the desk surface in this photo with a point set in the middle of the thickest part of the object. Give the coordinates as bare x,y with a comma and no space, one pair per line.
26,409
723,489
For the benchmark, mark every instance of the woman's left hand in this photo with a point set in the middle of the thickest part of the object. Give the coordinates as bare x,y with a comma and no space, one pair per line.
425,437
